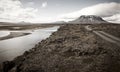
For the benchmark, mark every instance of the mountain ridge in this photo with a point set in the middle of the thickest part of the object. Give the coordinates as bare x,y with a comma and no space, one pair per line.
89,19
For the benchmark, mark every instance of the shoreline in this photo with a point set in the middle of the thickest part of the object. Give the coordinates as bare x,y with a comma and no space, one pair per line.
70,49
12,48
13,35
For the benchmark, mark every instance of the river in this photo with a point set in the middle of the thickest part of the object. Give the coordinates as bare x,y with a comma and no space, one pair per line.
11,48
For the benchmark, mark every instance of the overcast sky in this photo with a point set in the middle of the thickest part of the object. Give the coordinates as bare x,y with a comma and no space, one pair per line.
53,10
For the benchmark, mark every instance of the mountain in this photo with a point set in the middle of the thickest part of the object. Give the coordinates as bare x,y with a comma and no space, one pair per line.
89,19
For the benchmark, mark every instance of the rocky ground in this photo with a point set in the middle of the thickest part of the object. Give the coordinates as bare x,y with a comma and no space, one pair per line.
113,29
71,49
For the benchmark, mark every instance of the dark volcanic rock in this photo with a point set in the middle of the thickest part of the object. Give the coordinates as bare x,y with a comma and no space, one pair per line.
88,19
7,65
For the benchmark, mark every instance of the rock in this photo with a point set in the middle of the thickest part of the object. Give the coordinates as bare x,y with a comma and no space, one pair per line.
8,65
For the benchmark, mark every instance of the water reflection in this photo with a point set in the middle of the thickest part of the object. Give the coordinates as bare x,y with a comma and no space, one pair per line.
11,48
4,33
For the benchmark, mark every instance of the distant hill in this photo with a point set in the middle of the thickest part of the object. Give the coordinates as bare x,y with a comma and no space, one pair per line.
6,23
88,19
60,22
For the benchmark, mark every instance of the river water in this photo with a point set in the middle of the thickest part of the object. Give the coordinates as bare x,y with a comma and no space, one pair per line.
11,48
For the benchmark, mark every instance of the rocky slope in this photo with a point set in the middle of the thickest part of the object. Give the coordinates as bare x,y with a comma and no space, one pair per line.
71,49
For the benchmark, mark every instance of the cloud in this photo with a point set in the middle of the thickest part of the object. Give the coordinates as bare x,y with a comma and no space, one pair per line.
13,11
44,4
114,18
109,11
41,19
30,3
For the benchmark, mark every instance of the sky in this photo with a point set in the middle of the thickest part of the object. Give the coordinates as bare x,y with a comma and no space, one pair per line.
39,11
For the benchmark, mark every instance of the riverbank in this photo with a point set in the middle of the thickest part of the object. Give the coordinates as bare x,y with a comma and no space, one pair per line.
13,46
14,35
16,30
71,49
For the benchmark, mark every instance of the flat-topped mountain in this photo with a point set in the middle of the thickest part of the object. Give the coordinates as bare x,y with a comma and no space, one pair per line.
89,19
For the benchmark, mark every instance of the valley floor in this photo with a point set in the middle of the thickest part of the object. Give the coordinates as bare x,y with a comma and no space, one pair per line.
71,49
